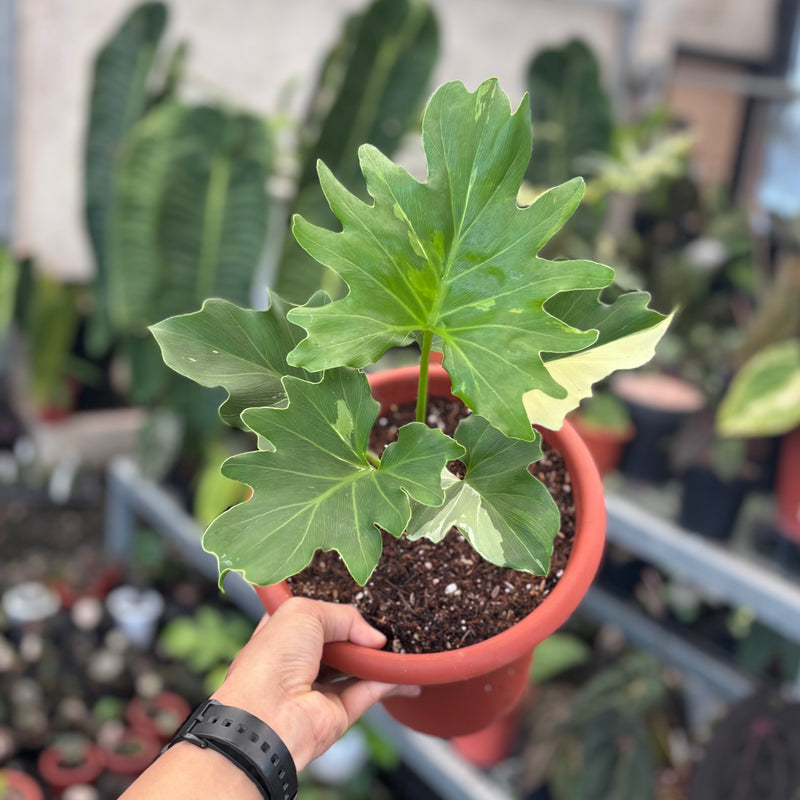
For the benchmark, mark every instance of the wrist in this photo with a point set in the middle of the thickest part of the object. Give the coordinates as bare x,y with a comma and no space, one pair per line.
288,722
247,742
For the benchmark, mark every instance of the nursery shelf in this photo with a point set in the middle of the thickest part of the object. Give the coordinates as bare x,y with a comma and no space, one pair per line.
717,571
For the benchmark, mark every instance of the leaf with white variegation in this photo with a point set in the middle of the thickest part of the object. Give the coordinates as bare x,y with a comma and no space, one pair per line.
628,332
504,512
318,490
764,396
454,257
242,350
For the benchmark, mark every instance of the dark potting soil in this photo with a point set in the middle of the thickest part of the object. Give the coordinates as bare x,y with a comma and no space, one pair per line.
428,597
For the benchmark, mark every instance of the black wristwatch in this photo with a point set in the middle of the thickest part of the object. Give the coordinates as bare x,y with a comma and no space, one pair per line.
247,742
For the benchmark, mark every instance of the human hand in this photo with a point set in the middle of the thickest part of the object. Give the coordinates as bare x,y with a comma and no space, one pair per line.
275,675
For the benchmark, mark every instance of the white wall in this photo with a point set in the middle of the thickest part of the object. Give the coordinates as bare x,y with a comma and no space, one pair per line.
250,51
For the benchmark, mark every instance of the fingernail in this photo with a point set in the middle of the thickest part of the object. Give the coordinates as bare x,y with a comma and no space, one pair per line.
411,691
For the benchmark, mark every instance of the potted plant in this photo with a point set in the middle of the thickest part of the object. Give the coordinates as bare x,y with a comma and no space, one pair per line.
753,752
604,423
764,400
71,759
18,785
452,265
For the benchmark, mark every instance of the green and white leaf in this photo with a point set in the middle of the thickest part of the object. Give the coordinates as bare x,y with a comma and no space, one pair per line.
454,257
241,350
317,490
628,332
505,513
764,396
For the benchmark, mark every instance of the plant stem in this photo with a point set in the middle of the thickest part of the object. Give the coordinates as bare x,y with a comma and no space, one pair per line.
422,387
373,459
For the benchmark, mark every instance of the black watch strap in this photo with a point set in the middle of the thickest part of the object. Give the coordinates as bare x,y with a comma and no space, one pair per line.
246,741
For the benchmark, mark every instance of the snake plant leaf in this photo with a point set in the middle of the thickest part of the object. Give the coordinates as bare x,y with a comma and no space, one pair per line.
118,101
454,257
628,332
504,512
214,208
135,265
572,113
330,496
370,89
764,396
242,350
190,217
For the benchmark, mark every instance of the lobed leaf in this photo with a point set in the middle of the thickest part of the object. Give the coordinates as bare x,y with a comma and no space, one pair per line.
454,257
330,497
244,351
504,512
628,332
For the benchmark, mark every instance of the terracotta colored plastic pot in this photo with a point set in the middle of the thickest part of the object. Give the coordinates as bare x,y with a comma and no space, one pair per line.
465,690
489,746
24,785
605,444
787,485
59,776
158,716
133,753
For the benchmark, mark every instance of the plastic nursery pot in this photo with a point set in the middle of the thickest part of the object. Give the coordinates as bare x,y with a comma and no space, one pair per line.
158,716
710,505
658,404
16,785
132,753
60,774
465,690
605,444
787,485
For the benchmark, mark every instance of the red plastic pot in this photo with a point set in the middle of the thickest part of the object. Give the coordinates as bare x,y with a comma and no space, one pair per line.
158,716
605,444
465,690
133,753
59,776
787,485
489,746
19,786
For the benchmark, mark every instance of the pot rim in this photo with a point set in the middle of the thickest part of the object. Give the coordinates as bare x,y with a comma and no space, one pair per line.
509,645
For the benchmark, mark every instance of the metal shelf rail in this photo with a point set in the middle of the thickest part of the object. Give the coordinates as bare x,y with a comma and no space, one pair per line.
713,569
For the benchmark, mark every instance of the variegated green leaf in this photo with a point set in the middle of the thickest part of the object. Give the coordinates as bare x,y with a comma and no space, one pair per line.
454,257
764,396
242,350
318,490
505,513
628,332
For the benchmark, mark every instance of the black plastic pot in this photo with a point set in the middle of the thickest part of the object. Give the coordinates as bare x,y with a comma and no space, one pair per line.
710,505
658,405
